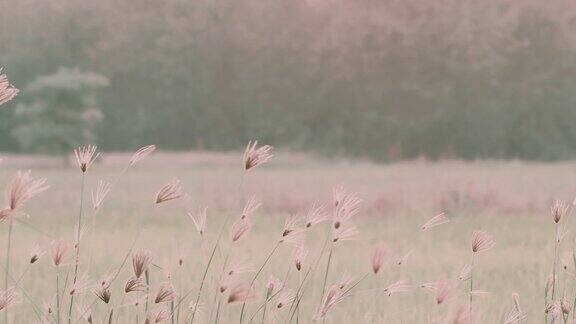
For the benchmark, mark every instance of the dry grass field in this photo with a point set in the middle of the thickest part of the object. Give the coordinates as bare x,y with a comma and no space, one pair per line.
509,200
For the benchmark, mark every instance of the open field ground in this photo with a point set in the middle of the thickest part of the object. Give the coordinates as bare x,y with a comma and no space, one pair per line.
510,200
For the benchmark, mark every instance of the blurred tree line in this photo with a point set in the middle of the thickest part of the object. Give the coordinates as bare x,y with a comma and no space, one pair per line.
386,79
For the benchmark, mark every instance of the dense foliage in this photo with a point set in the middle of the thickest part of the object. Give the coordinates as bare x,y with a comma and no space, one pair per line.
381,78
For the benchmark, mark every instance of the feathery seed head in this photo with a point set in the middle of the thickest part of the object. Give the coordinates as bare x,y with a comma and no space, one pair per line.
165,293
239,229
98,195
435,221
59,248
299,256
157,316
481,241
7,91
241,293
377,258
20,189
558,210
8,298
140,261
397,287
103,293
250,207
273,286
85,156
170,191
254,157
316,214
36,253
199,220
134,284
141,154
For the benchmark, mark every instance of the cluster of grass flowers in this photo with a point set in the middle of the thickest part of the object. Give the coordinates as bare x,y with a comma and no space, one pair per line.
147,293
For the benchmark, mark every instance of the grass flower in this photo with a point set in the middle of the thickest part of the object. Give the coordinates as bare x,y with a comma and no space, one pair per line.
299,256
8,298
241,293
134,284
558,210
85,156
19,190
481,241
35,254
199,220
98,195
345,233
316,214
435,221
273,286
141,154
165,293
59,249
140,261
346,207
254,156
168,192
158,315
7,90
397,287
103,293
377,258
239,229
250,207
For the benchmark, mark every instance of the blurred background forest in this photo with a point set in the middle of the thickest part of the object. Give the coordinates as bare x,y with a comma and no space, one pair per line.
383,79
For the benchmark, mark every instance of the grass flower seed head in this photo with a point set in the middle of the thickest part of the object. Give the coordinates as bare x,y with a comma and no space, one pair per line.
300,255
254,156
8,298
85,156
346,205
103,293
316,214
239,229
199,220
273,286
377,258
165,293
286,297
481,241
59,249
397,287
134,284
168,192
7,90
558,210
35,254
346,233
98,195
241,293
465,273
20,189
250,207
435,221
141,154
158,315
140,261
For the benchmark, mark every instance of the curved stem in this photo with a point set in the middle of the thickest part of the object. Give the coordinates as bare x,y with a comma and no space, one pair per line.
256,277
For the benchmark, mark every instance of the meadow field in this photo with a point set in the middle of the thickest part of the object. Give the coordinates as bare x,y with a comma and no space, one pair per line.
509,200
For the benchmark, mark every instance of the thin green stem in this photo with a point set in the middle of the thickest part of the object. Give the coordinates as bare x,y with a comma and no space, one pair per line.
7,270
256,277
78,233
